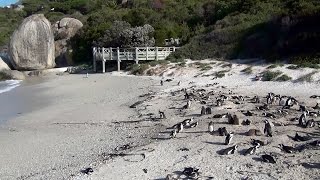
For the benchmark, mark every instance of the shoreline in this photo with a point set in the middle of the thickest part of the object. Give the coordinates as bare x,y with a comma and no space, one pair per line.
75,128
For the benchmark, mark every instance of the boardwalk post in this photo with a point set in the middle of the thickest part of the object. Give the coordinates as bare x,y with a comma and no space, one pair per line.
94,59
156,53
103,62
118,58
136,56
147,53
110,53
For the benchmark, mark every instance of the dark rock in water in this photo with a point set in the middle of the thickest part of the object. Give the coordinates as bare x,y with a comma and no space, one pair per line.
87,171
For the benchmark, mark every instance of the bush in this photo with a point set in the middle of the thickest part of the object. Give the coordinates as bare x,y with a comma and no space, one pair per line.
272,66
138,69
247,70
220,74
229,65
306,78
293,67
284,77
270,75
4,76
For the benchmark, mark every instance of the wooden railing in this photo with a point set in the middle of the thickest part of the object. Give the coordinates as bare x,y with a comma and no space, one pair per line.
130,54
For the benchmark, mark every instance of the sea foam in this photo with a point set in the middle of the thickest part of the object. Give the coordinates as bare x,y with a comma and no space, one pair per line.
8,85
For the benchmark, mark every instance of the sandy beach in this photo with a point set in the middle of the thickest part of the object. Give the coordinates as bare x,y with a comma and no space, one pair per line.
65,123
82,123
196,148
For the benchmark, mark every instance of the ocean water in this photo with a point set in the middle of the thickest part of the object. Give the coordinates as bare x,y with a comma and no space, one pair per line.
7,2
8,85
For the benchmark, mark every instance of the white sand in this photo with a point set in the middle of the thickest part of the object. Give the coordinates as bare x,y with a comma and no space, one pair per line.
166,156
71,126
74,128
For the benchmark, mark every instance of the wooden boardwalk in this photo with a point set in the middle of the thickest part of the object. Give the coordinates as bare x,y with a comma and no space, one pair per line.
129,54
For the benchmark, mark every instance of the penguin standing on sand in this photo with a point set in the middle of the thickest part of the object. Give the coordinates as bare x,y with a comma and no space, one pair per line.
303,119
228,138
208,110
161,82
203,110
210,127
268,128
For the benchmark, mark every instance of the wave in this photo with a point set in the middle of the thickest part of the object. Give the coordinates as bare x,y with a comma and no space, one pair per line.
8,85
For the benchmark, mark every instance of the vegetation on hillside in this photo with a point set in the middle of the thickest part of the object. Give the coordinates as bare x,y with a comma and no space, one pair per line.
271,29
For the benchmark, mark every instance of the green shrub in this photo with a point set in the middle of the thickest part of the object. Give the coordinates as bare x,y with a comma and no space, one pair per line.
284,77
229,65
272,66
138,69
293,67
204,67
220,74
247,70
306,78
270,75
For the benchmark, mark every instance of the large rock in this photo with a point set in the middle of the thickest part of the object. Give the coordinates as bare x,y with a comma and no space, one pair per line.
32,44
3,65
63,31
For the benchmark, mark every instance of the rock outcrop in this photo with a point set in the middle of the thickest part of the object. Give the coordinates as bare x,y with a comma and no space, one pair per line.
3,65
63,31
32,44
13,74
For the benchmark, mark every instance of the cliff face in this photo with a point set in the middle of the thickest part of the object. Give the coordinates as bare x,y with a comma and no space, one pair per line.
32,44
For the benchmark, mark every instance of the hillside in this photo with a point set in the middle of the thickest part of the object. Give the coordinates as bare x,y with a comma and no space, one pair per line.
273,29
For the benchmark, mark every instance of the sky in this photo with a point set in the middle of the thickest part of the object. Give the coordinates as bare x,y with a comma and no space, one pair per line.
7,2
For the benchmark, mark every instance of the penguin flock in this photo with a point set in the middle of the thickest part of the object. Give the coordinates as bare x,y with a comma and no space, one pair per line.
268,109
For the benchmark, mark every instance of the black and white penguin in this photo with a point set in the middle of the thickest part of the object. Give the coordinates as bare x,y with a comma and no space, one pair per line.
219,102
173,133
251,150
269,115
228,138
195,124
246,122
223,131
257,142
203,110
297,137
230,150
187,122
268,128
210,127
310,123
268,158
208,110
287,149
180,127
161,82
303,119
162,115
316,106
